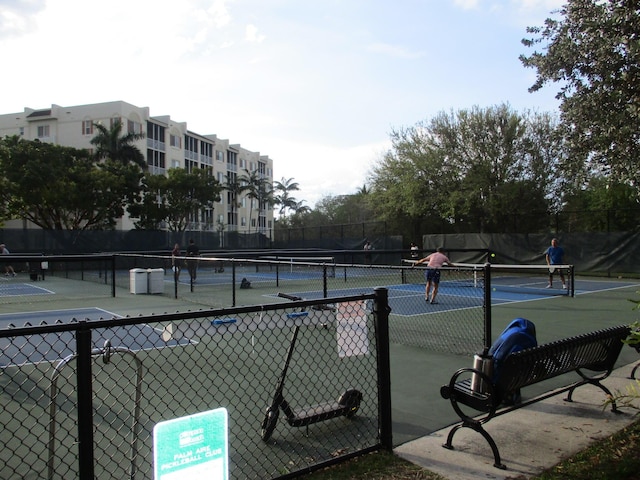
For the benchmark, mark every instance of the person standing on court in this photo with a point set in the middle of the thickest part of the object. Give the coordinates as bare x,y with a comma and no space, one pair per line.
555,256
434,261
192,263
175,263
367,249
8,269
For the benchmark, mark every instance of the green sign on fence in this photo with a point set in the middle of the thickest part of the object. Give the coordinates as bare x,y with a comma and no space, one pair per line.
192,447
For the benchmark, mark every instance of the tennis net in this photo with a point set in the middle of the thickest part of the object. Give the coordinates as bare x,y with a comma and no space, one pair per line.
298,267
540,280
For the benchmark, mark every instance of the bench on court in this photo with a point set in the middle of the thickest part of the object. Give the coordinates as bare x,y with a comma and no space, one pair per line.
592,356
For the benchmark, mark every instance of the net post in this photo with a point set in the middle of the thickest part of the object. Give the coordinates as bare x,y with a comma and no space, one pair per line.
487,307
324,280
572,283
113,276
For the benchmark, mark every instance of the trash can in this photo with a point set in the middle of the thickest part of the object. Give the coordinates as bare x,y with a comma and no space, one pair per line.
156,280
138,282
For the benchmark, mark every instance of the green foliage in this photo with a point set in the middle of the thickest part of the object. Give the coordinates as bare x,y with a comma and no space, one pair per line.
592,51
62,188
258,191
473,170
618,203
282,195
175,198
112,144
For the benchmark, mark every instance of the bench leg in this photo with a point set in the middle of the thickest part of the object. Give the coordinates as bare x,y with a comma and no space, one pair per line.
633,372
614,407
477,427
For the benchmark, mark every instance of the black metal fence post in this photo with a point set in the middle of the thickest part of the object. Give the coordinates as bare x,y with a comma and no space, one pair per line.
233,282
85,401
487,307
381,310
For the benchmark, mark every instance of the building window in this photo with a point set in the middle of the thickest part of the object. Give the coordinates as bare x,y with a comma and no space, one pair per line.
190,144
220,155
155,159
134,127
243,221
113,121
87,127
175,141
43,131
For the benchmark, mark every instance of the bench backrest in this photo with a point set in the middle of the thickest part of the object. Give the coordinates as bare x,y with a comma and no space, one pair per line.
596,351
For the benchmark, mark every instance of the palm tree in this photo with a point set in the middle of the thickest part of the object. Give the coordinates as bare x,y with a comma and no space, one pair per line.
258,188
283,198
235,186
111,144
300,208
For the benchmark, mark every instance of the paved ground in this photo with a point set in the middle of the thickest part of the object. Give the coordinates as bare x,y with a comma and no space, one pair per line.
530,439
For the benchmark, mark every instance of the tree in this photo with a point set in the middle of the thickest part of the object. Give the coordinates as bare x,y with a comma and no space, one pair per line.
175,198
593,53
472,170
603,206
234,187
283,197
258,188
63,189
111,144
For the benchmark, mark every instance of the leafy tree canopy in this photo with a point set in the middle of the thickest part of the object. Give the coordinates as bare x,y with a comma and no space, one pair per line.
62,188
477,168
176,198
593,52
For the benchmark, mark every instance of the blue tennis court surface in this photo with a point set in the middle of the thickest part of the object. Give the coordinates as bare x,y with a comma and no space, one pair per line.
56,346
22,289
408,299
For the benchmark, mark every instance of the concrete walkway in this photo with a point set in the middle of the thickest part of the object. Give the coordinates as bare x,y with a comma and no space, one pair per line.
530,439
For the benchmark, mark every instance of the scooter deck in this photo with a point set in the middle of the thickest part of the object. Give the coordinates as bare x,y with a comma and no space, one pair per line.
316,413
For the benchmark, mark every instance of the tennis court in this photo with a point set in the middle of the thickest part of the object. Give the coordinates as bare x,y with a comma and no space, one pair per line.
56,346
429,342
231,364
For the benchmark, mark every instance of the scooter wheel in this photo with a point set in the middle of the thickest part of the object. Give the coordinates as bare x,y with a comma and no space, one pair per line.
351,401
269,423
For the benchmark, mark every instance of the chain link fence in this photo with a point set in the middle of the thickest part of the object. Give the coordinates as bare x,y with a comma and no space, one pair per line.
305,384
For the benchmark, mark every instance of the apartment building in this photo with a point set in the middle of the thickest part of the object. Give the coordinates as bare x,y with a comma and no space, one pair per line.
167,144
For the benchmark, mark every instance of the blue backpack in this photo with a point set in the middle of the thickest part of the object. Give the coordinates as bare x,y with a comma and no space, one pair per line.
520,334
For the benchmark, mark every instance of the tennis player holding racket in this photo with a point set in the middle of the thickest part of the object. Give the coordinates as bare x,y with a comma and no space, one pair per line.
555,255
432,274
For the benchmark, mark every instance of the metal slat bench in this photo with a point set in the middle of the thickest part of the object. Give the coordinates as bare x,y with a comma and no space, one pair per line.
592,356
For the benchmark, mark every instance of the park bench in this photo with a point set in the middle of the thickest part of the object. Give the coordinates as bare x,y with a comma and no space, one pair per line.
592,356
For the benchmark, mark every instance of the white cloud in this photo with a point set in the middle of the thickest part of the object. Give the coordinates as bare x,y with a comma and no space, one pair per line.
252,35
313,85
18,17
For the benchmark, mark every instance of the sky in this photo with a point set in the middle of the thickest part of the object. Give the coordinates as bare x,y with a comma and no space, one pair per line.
317,85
